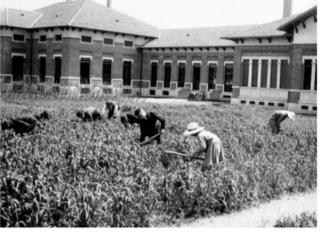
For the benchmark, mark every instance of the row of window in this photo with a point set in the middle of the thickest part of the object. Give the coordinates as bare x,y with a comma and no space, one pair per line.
84,39
85,67
43,38
196,74
265,73
274,73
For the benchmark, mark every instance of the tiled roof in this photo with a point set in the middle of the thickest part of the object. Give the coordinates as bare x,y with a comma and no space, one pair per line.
262,30
194,37
298,19
84,14
88,14
59,14
18,18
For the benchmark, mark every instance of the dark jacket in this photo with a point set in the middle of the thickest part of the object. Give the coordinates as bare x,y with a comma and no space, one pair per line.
152,125
113,108
128,119
275,122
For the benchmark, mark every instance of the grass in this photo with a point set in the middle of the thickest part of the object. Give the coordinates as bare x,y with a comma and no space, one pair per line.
303,220
95,174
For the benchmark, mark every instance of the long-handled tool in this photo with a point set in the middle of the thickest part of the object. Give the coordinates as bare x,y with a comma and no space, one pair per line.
183,155
150,139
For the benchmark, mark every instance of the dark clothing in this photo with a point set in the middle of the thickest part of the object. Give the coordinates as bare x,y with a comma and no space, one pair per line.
44,115
114,109
89,114
275,122
128,119
151,125
24,124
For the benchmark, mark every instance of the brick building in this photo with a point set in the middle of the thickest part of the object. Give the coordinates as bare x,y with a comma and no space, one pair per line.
68,49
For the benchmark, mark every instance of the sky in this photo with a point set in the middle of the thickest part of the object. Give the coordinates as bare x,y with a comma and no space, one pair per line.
188,13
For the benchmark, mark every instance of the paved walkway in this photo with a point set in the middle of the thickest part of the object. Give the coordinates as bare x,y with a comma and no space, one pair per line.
174,101
264,215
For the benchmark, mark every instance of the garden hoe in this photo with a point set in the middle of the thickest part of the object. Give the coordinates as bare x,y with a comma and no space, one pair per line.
150,139
183,155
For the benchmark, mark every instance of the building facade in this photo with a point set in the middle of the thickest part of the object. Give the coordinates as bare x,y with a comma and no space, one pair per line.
81,47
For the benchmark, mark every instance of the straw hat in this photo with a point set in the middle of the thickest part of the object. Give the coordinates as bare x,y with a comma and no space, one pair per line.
193,128
291,115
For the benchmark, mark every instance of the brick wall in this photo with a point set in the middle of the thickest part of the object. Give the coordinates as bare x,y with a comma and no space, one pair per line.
188,56
299,50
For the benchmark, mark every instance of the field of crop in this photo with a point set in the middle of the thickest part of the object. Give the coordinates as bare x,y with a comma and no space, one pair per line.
95,174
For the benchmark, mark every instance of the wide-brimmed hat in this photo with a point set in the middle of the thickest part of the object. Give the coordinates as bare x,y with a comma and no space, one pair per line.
291,115
193,128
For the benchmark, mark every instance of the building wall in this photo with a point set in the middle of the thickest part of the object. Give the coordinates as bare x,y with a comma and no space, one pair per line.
189,57
306,33
288,93
71,48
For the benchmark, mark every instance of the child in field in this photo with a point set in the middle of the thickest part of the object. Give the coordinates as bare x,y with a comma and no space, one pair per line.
151,124
26,123
278,117
209,143
89,114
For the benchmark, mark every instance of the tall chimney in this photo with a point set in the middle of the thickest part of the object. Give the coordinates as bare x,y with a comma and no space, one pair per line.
109,3
287,8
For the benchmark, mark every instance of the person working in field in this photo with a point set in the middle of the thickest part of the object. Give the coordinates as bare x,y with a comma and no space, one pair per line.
209,143
113,108
26,123
89,114
278,117
151,125
128,119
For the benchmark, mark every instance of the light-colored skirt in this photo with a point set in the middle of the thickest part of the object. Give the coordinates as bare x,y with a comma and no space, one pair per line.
214,155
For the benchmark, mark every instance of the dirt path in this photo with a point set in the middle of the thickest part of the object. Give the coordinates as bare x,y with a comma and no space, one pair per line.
174,101
264,215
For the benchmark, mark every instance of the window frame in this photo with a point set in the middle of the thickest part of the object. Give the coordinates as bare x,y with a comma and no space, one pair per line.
23,64
214,66
165,63
19,41
184,76
44,41
105,44
103,62
151,74
45,68
85,59
124,44
55,56
86,42
123,72
55,38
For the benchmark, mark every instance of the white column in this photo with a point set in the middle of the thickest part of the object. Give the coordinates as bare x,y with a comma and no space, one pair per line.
269,73
278,73
250,73
313,74
259,73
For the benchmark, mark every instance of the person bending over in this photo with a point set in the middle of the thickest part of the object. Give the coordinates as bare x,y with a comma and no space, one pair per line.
89,114
26,123
151,124
277,118
209,143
